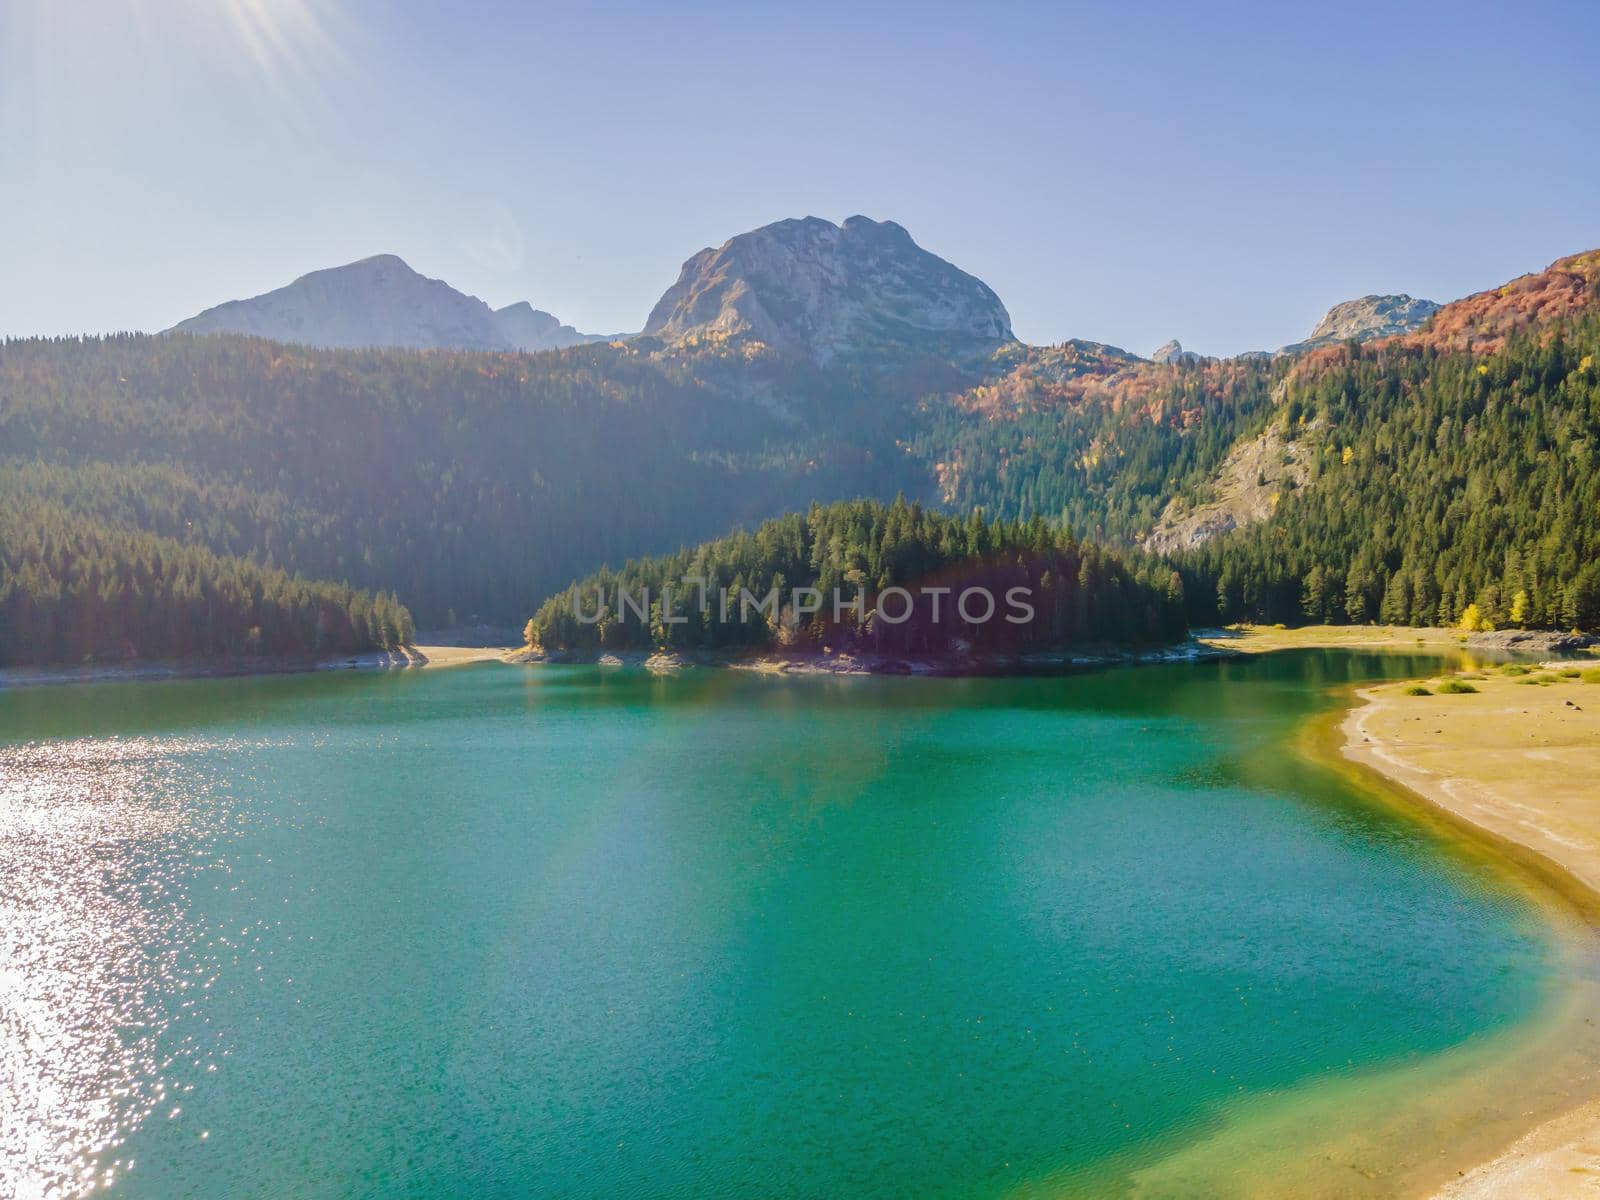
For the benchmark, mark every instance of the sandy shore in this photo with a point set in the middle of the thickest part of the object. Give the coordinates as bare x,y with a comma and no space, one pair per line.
418,656
1558,1160
1519,758
456,656
1260,639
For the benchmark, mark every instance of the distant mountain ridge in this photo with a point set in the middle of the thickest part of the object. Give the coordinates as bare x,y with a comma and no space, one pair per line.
815,290
1408,478
803,287
381,301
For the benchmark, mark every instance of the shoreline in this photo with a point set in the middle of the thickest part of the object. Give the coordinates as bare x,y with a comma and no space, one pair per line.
417,656
1515,761
446,649
826,662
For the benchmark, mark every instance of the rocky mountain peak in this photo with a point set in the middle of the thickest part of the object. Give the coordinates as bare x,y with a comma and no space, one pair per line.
1366,319
816,290
1173,353
375,264
1373,317
528,328
381,301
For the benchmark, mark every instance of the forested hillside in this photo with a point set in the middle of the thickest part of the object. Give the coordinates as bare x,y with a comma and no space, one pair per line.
1449,466
1090,437
469,484
1071,593
73,590
1439,481
1455,465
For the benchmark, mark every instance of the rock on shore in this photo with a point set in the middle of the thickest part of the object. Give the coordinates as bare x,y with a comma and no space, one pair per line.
1532,641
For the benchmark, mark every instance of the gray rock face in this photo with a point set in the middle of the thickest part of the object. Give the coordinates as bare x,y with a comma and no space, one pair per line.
1532,641
1173,353
1366,319
1243,492
822,291
380,301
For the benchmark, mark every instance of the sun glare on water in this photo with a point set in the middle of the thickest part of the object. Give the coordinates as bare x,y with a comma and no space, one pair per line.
96,843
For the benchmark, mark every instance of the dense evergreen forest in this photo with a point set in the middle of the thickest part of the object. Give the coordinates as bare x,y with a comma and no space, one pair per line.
469,484
1439,478
1439,481
74,590
1441,471
1069,594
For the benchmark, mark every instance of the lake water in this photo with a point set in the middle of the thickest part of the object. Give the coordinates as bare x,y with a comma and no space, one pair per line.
565,931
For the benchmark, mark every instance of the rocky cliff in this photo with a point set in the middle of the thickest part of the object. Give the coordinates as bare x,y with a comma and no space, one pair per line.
827,292
1366,319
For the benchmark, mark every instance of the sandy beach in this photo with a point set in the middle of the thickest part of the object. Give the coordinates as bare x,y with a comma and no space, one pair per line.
1261,639
1519,758
422,655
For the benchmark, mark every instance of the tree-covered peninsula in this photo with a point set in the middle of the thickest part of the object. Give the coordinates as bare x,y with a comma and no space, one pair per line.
889,579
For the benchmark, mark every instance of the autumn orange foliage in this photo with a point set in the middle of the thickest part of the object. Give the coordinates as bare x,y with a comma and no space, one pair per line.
1482,322
1075,374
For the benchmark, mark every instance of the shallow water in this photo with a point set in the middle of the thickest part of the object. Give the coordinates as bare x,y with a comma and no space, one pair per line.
568,931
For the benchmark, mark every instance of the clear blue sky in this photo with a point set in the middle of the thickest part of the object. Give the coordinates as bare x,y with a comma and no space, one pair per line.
1124,172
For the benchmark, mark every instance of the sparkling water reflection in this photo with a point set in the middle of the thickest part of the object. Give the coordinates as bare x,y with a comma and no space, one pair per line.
565,932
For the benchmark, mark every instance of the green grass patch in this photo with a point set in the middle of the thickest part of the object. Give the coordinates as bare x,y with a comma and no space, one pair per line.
1592,675
1516,669
1455,687
1416,689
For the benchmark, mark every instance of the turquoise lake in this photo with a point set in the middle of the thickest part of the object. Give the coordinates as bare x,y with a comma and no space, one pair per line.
567,931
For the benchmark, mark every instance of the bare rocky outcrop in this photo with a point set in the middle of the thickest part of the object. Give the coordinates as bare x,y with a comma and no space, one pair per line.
1173,354
1244,492
1532,641
824,292
1366,319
